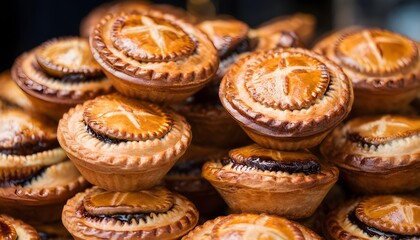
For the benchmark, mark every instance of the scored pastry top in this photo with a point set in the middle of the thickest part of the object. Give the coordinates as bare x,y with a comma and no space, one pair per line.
286,92
153,47
60,57
126,119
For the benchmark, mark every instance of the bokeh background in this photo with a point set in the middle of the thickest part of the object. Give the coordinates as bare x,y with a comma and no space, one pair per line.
28,23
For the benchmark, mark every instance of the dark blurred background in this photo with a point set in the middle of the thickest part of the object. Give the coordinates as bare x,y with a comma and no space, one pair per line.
28,23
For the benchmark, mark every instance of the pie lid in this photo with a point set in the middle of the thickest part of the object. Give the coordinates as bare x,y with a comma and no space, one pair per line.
64,56
383,129
396,214
7,231
252,226
19,129
150,38
255,151
126,119
287,80
102,202
225,34
376,51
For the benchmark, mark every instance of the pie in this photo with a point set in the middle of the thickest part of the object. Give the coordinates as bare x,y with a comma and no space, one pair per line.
256,179
13,229
59,74
286,98
377,217
377,154
149,214
123,144
153,55
384,67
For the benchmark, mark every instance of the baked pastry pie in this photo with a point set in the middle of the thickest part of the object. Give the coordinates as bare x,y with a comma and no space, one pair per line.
35,178
211,125
12,229
11,95
275,40
378,154
300,23
286,98
256,179
384,67
378,217
88,23
149,214
123,144
250,227
59,74
153,55
185,178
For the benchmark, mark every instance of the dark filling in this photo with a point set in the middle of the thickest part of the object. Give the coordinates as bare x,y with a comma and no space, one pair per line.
305,167
243,46
5,229
124,218
192,167
103,138
373,232
23,182
354,137
30,148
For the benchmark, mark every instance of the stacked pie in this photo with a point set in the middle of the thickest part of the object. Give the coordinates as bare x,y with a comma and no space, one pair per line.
178,120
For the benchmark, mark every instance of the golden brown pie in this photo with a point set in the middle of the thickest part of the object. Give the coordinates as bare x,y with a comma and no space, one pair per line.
250,227
11,95
152,55
378,154
377,217
149,214
88,23
286,98
256,179
123,144
59,74
275,40
302,24
384,67
35,178
185,178
13,229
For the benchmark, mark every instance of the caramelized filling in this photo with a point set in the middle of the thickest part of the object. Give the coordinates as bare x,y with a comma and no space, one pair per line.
243,46
6,232
101,137
373,232
356,138
23,182
123,217
30,148
305,167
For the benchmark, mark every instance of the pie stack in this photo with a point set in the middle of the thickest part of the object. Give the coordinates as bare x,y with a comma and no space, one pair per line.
173,118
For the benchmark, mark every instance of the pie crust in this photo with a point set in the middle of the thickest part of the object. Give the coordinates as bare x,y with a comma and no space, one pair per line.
250,226
88,23
377,154
265,177
384,67
13,229
123,144
378,217
164,219
152,55
282,114
185,178
58,75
